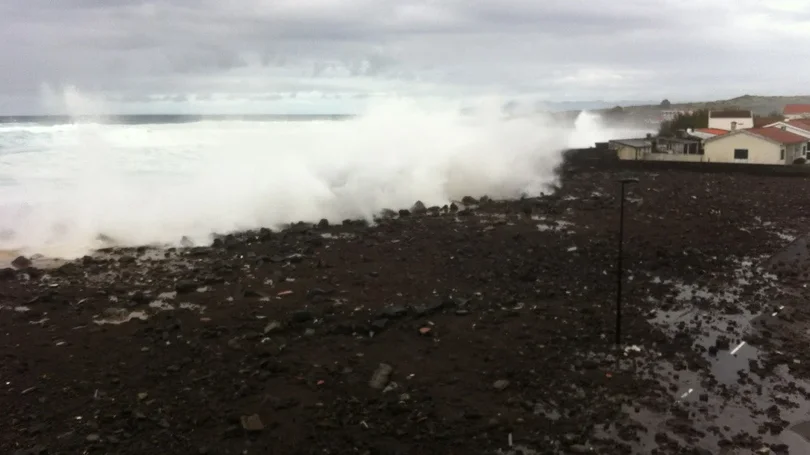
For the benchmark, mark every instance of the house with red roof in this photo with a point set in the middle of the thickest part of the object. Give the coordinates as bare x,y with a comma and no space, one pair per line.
769,145
796,111
800,126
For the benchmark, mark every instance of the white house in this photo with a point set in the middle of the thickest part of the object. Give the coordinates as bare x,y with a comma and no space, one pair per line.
796,111
756,146
802,128
631,149
731,120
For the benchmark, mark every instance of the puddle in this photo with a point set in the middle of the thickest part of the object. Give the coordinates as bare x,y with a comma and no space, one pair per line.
167,295
161,305
552,225
731,398
117,316
341,235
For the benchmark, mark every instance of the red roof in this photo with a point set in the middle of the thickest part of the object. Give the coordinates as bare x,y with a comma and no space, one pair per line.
803,124
778,135
715,131
795,109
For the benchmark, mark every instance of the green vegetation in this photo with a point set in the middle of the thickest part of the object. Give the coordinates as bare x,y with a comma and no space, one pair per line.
697,119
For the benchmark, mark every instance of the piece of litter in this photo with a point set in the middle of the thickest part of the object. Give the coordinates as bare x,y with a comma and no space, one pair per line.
739,346
608,375
424,330
283,293
510,439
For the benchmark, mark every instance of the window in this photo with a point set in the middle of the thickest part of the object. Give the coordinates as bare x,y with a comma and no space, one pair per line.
782,154
740,154
804,149
733,125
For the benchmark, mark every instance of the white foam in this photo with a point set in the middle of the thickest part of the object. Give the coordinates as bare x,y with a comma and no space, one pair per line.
62,186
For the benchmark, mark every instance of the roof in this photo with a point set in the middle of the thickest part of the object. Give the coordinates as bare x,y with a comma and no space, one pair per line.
678,140
803,124
778,135
635,143
762,122
715,131
730,114
794,109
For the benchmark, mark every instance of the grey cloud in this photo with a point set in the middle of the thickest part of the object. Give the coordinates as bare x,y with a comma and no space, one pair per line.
559,49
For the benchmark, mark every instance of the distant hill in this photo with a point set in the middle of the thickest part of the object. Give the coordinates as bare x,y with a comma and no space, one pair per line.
760,105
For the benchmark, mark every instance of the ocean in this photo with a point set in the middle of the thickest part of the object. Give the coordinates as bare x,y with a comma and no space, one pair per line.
69,185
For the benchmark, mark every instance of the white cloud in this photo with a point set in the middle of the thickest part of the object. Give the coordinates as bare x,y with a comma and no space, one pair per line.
542,50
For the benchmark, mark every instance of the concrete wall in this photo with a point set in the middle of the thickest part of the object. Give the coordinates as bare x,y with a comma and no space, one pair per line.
673,157
725,123
760,151
591,159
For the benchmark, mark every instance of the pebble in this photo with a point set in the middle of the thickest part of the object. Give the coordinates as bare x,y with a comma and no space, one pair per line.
419,207
379,325
93,437
252,423
381,376
302,316
272,326
185,286
393,312
501,384
21,262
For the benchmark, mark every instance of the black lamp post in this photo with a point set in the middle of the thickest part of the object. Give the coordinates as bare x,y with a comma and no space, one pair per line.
624,181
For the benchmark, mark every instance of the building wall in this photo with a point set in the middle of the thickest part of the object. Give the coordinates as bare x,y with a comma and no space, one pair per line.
794,151
725,123
631,153
797,116
760,151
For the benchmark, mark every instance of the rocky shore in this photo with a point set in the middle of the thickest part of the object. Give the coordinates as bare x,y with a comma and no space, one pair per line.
484,327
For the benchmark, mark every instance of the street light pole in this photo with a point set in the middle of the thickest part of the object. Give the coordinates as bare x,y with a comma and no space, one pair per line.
619,268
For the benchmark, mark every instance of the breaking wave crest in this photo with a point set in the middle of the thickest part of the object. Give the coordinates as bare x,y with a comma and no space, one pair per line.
62,186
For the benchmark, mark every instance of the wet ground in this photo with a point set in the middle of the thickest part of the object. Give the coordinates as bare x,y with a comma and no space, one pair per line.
486,327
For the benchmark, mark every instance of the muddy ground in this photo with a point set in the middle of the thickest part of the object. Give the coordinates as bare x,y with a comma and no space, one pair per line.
486,327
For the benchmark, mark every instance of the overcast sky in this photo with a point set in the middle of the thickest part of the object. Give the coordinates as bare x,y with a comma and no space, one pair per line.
335,55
